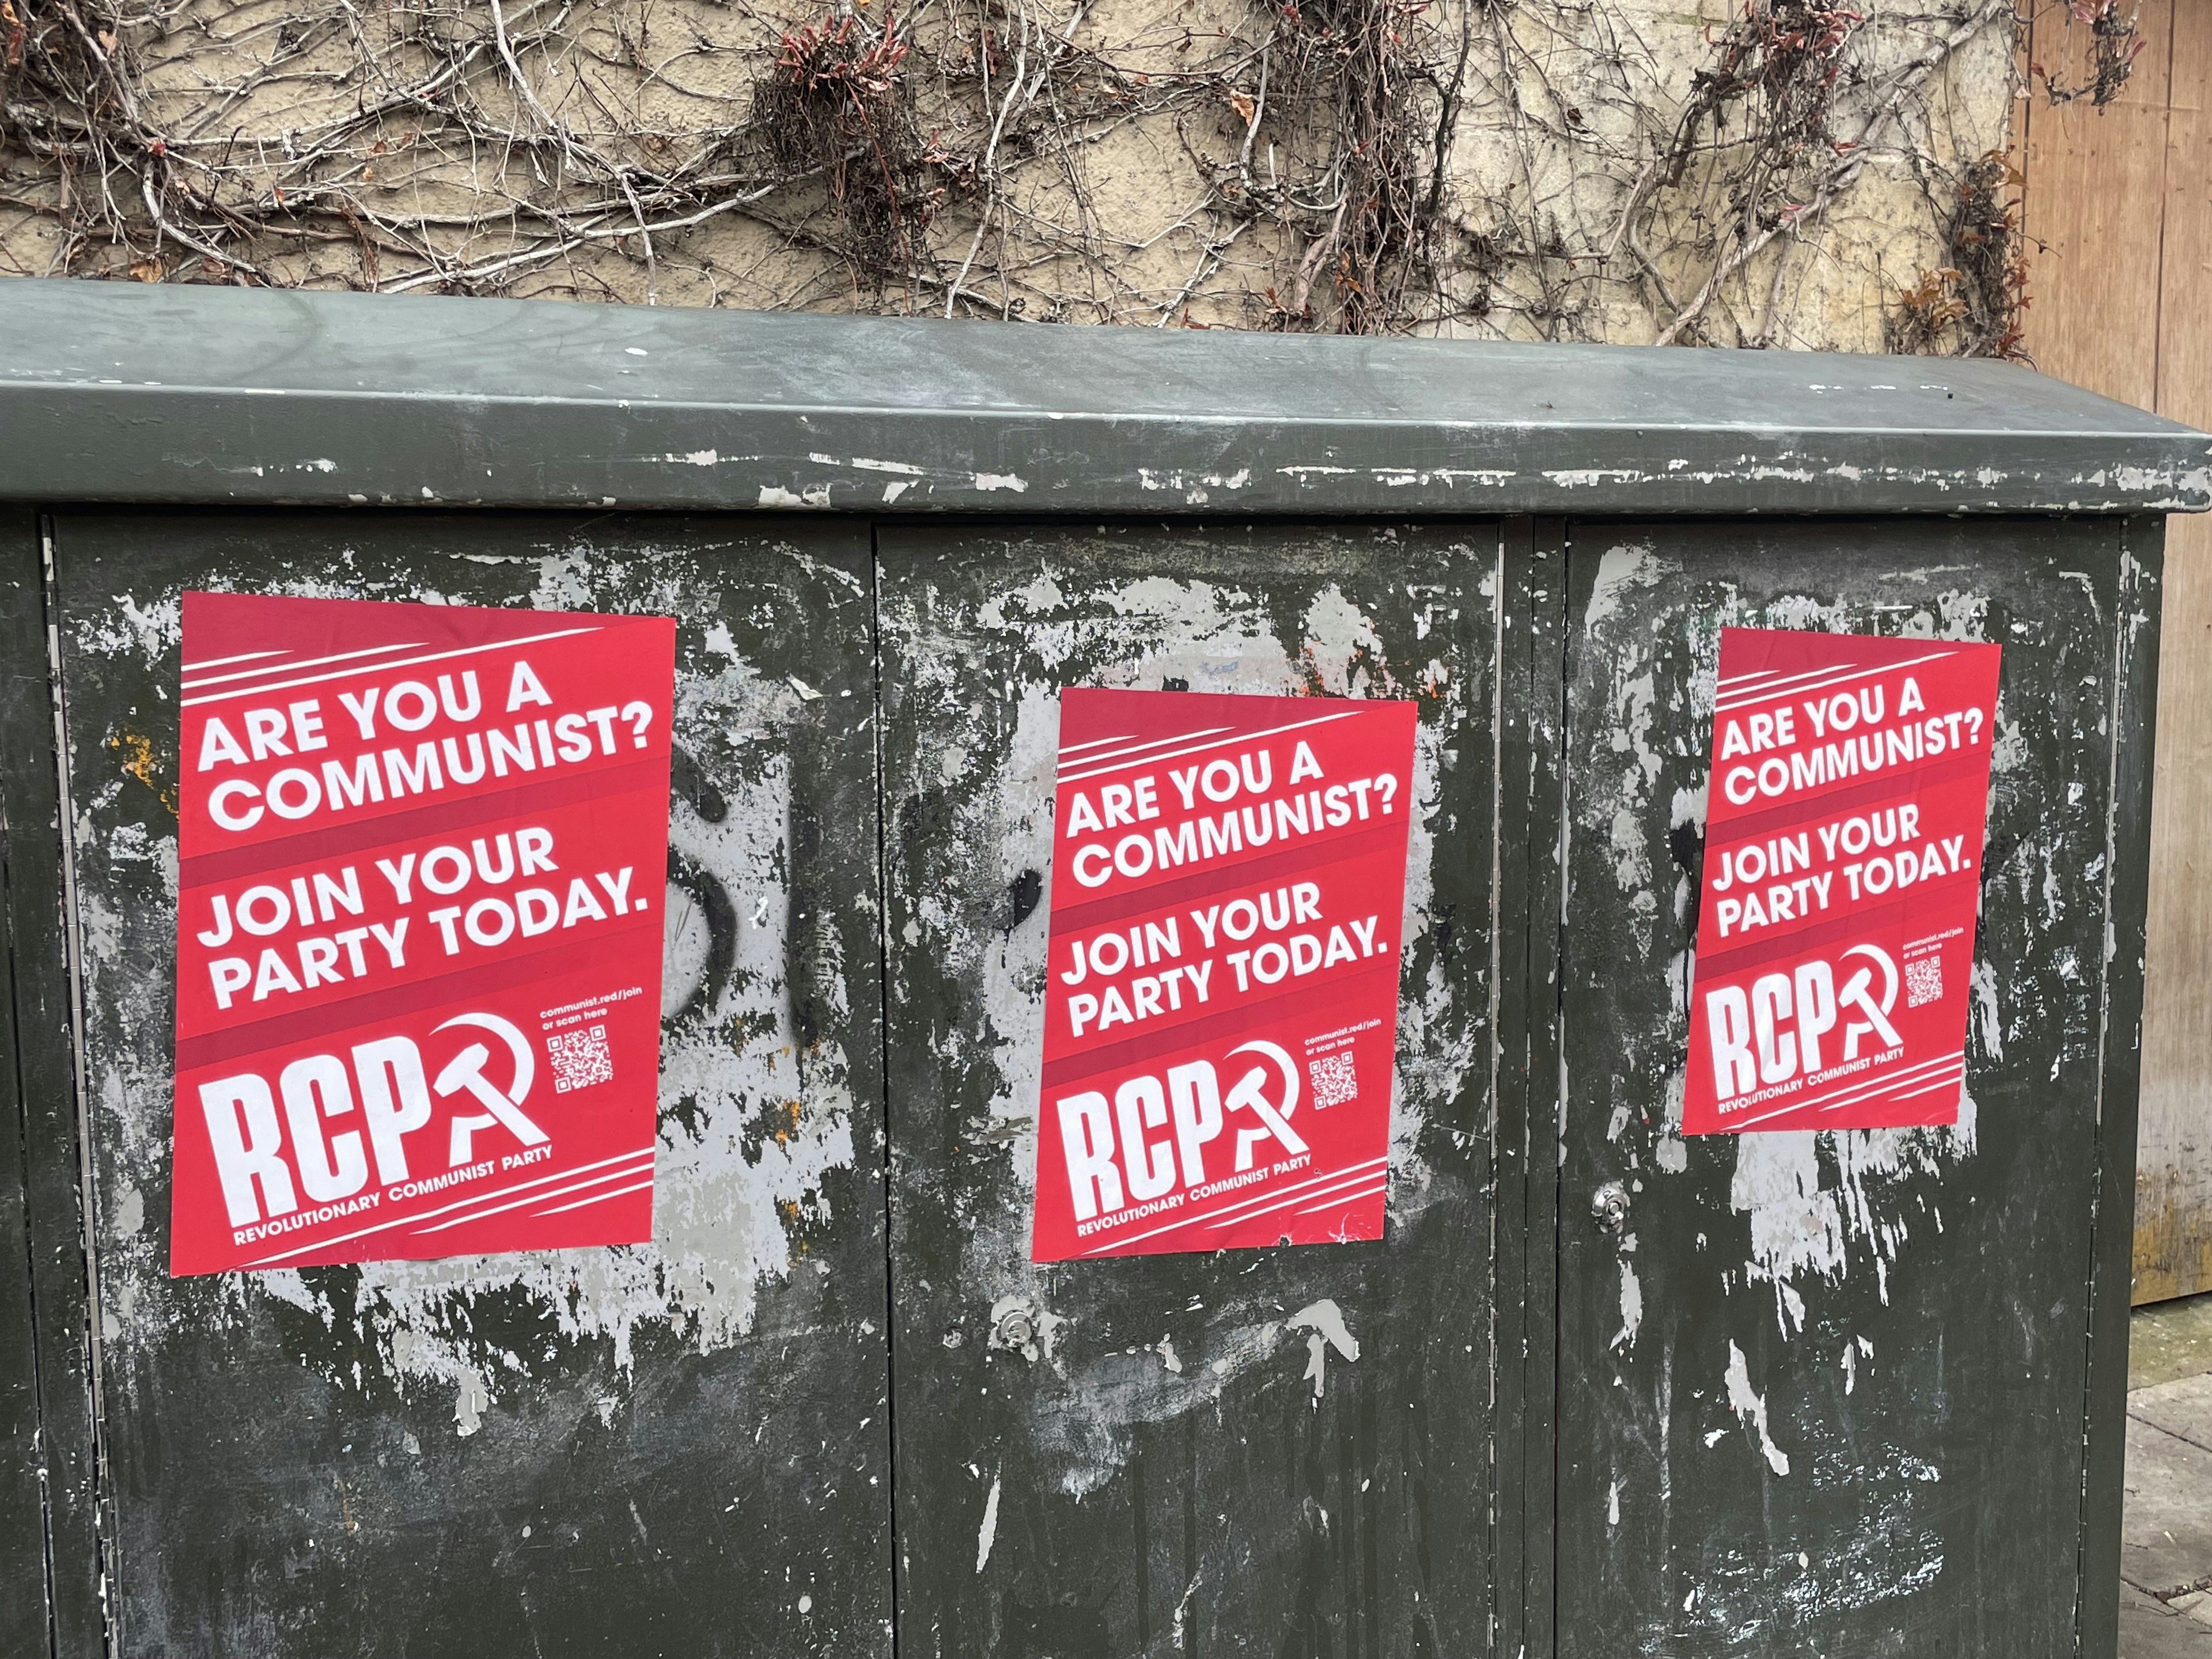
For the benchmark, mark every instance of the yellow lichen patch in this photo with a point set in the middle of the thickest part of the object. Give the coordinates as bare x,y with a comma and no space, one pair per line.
137,752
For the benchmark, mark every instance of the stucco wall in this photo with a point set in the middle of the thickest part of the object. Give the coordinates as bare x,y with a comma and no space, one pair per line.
1620,170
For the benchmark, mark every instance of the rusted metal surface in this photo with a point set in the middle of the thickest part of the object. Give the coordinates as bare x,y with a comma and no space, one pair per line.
1284,1450
674,1448
1830,1393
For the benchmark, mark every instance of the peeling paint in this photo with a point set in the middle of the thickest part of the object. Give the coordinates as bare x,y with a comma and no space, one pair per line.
1780,1265
1631,1305
730,1204
988,1533
1325,1320
1148,1389
1751,1408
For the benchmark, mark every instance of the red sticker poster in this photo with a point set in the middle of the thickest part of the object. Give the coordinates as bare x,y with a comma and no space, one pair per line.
1843,828
421,850
1221,1004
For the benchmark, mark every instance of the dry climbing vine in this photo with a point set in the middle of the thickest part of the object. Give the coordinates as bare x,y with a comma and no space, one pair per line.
2114,42
1536,168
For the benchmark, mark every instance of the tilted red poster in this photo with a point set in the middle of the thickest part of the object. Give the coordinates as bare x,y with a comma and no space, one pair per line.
421,850
1228,878
1843,863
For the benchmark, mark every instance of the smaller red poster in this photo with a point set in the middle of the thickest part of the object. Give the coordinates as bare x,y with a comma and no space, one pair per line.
421,852
1843,825
1221,1002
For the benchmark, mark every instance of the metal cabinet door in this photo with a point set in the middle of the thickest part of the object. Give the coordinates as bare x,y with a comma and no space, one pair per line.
678,1448
1286,1450
1825,1393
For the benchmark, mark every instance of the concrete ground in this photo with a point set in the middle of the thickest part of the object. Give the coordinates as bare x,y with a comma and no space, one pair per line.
2166,1547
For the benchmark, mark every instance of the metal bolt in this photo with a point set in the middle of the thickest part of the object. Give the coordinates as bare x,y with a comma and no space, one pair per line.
1609,1207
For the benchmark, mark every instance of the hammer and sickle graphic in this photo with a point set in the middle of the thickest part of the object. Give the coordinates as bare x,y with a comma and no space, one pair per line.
466,1071
1250,1095
1854,994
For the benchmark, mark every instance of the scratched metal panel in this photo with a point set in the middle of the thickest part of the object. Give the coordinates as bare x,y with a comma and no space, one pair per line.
2135,724
195,392
35,1469
1826,1395
678,1448
1180,1453
1527,1100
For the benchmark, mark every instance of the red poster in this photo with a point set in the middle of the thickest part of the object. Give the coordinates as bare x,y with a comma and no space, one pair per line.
1221,1003
1842,862
423,849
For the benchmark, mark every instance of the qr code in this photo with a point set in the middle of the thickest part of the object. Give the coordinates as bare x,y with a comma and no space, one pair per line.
580,1059
1335,1081
1924,981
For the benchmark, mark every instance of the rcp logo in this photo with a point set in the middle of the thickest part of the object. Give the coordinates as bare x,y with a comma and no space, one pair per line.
313,1136
1779,1026
1154,1135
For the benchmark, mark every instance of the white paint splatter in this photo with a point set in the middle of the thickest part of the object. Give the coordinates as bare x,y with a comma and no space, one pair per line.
989,1533
777,496
469,1403
1751,1408
1799,1226
1619,569
1632,1306
1982,988
2010,750
1794,1227
147,630
1586,477
1326,1320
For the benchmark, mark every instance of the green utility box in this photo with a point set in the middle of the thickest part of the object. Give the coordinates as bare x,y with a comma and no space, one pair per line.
1853,1392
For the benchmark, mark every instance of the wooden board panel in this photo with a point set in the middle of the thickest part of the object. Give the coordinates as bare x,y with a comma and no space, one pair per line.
1165,1454
2121,200
678,1448
2094,196
1826,1395
2173,1164
2173,1193
2184,367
